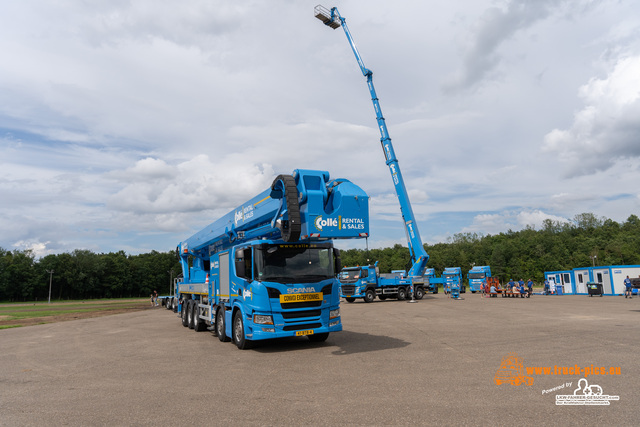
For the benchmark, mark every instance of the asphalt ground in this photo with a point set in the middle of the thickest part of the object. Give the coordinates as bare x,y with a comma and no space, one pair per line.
395,363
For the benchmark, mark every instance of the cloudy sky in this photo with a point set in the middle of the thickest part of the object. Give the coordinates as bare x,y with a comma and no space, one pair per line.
130,125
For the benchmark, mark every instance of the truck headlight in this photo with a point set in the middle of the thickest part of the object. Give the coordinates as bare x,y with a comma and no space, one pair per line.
334,313
261,319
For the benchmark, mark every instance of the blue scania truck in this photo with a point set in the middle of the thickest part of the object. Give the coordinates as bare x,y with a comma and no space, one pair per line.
268,268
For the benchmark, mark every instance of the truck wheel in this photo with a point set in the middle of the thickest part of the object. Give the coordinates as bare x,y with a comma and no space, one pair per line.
220,327
238,332
402,294
183,313
369,296
419,293
435,291
190,313
318,337
350,299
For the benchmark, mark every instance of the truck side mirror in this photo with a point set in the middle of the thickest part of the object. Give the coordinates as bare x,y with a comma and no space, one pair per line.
337,263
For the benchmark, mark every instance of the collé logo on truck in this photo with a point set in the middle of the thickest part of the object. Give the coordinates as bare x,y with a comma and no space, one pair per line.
243,214
340,222
320,222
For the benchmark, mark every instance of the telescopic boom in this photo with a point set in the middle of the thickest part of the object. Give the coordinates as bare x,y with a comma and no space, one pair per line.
419,256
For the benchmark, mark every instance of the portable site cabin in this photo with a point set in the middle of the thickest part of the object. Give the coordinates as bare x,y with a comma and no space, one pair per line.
563,278
575,281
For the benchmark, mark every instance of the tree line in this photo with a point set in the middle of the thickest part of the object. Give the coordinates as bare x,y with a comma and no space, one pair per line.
585,241
83,274
582,242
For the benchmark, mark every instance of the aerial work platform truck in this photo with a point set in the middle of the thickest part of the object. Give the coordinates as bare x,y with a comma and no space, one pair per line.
451,278
268,268
415,275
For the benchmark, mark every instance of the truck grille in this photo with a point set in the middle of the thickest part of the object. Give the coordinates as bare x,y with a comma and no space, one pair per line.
348,289
301,314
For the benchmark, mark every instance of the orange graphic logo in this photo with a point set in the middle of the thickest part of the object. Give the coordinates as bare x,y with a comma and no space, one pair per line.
511,371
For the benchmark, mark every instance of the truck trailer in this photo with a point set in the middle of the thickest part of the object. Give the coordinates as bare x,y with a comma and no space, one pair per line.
268,268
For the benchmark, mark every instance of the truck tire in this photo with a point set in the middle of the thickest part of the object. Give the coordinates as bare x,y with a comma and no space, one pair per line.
318,337
190,314
402,294
238,332
369,295
350,299
419,293
435,290
291,229
183,313
220,326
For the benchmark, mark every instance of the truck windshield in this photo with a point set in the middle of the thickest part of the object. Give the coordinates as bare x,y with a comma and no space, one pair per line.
294,263
476,275
350,276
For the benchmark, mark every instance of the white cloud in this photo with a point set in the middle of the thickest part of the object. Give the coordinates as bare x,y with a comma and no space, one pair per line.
152,186
133,124
510,220
607,128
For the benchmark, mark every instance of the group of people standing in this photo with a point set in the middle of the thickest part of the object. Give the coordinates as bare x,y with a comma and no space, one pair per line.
515,289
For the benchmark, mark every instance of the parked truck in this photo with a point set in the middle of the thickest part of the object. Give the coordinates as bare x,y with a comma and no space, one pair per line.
419,257
432,281
268,268
476,276
452,276
366,282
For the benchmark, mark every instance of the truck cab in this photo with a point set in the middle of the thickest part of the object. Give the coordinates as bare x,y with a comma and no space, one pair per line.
476,276
278,289
359,282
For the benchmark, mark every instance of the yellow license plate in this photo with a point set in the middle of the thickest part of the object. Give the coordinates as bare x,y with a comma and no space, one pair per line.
302,333
317,296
